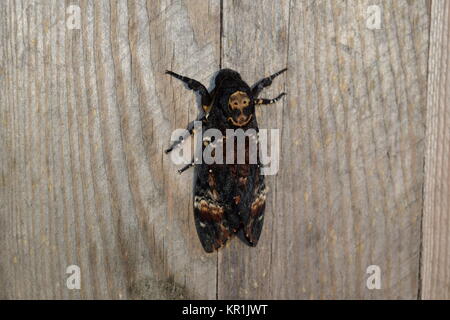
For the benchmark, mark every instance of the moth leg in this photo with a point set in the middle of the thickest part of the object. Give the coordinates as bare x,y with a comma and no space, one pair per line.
261,84
269,101
186,167
190,129
194,85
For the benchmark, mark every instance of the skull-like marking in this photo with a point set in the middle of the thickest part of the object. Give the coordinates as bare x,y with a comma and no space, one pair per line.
239,101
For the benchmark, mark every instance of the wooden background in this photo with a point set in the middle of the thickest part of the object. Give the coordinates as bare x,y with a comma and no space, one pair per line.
86,114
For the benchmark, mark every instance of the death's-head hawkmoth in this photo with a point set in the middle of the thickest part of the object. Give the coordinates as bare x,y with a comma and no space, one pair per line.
229,198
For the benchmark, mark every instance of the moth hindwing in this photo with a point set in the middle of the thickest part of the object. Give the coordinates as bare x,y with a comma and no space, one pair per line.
229,188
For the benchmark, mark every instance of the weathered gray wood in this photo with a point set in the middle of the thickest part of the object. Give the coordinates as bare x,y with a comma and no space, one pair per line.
349,191
436,256
85,116
255,42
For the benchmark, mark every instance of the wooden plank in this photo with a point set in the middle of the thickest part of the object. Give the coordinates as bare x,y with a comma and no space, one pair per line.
85,116
255,43
436,255
349,190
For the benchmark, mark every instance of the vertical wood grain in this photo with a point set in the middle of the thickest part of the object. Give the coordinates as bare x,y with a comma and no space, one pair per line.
85,117
436,255
86,114
349,190
255,42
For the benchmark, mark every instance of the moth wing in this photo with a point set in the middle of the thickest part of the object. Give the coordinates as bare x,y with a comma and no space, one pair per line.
210,215
254,223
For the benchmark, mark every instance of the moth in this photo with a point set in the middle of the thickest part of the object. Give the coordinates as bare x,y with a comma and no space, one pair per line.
229,199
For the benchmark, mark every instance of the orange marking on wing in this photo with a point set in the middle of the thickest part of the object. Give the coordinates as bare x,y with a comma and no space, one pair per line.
209,212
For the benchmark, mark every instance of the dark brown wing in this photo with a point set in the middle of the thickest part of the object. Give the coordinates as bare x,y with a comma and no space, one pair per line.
228,200
231,199
252,206
210,210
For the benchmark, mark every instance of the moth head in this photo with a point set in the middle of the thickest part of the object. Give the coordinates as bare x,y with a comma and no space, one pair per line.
240,108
